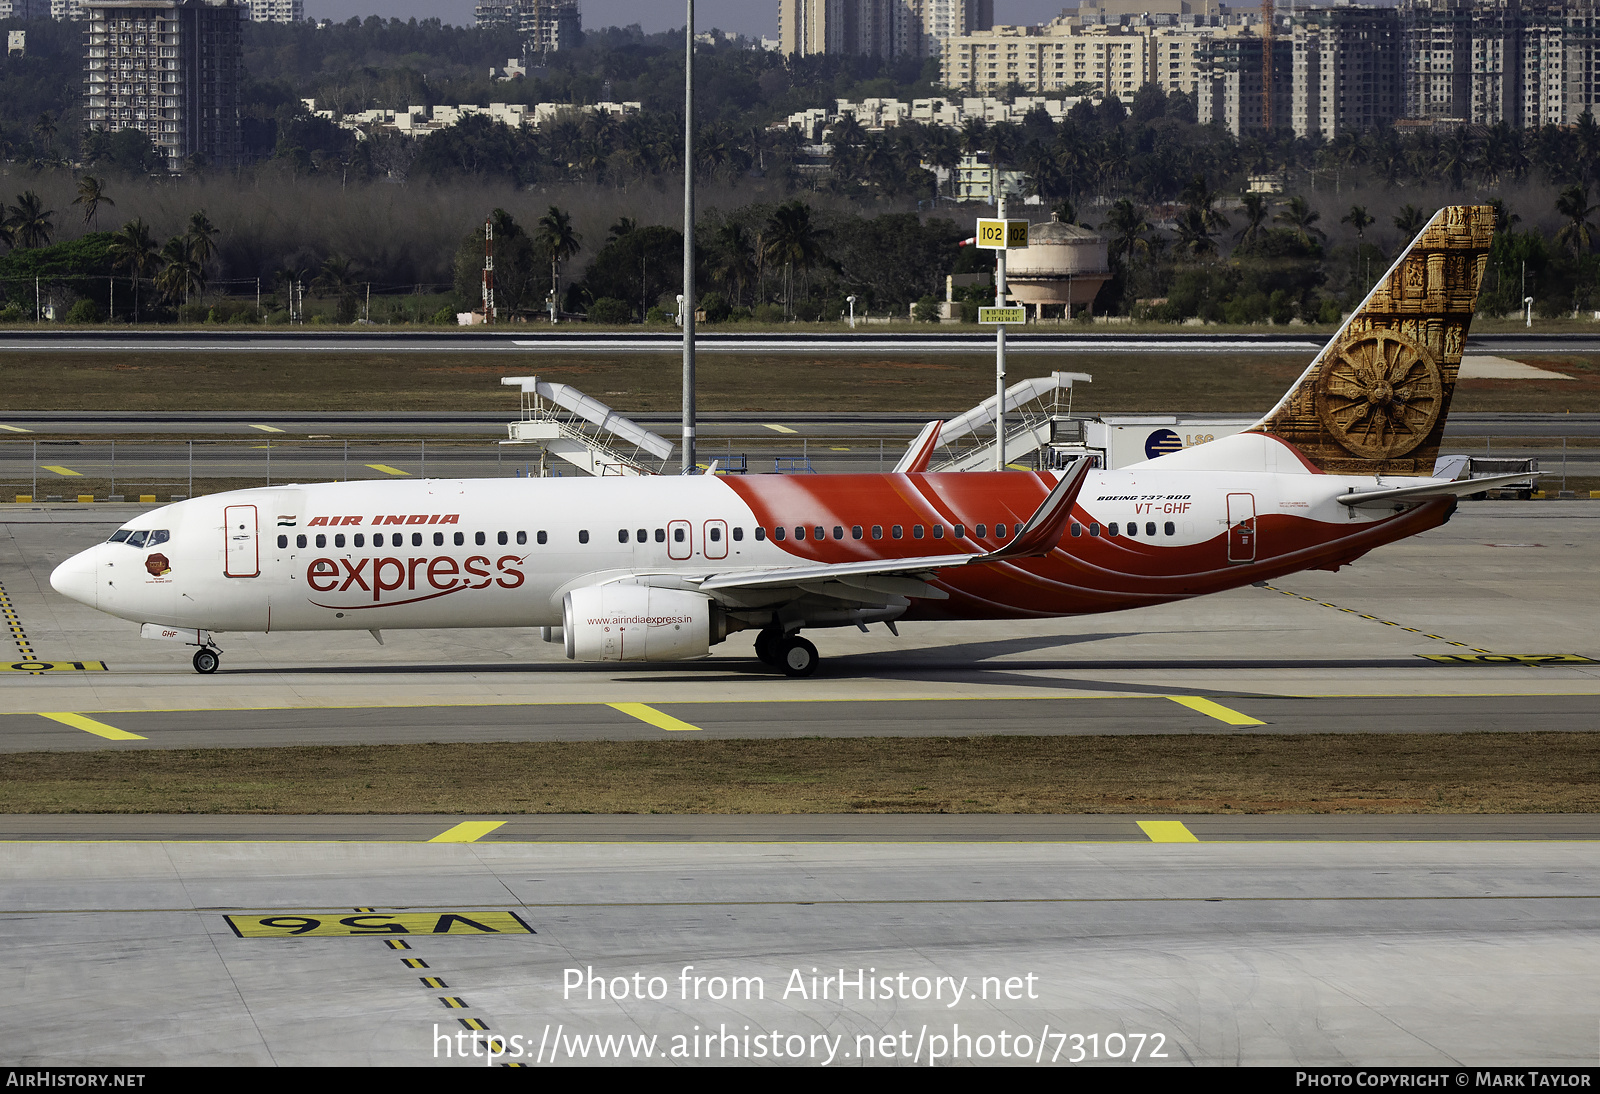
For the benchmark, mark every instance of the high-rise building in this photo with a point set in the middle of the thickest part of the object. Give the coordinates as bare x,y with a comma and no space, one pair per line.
276,11
24,9
880,28
1346,70
546,25
170,68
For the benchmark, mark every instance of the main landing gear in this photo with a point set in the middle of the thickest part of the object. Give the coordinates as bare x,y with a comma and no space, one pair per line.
789,652
206,659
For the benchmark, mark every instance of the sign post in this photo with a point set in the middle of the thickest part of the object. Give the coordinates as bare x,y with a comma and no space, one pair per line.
998,235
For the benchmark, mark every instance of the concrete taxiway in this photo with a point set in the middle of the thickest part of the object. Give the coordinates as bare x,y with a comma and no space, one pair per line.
1440,941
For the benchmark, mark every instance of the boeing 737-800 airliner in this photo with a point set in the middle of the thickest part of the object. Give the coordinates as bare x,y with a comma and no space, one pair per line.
660,568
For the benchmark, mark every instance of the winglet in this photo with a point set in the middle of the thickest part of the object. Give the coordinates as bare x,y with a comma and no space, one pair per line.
1045,528
921,450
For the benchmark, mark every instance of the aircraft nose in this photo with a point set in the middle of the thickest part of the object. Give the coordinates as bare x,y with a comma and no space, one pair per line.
75,578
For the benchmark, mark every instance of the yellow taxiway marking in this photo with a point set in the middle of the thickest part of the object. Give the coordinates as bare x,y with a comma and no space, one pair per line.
1167,832
1215,710
1507,658
779,428
15,429
89,725
288,924
58,469
267,428
466,832
386,469
650,714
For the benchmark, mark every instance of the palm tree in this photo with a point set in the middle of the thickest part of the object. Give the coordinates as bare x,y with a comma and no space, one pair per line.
134,250
1578,233
1410,221
791,239
30,221
735,261
560,242
624,226
1301,220
1358,219
45,127
202,237
1128,226
92,195
1256,209
180,273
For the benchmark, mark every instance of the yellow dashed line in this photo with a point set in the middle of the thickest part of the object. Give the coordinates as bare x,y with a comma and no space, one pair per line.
58,469
1373,618
1167,832
89,725
1215,710
467,832
454,1002
654,717
386,469
413,962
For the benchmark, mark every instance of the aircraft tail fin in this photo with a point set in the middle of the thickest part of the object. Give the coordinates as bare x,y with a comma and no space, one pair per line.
1375,399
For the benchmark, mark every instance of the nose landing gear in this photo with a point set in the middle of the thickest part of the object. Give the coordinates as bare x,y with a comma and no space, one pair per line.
206,659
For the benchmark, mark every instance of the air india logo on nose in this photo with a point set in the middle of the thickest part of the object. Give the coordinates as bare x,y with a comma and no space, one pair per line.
158,565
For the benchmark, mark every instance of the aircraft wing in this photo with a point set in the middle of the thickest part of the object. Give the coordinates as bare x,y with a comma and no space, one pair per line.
921,451
1038,536
1383,497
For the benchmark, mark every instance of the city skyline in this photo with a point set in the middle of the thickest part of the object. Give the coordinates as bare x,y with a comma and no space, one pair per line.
730,16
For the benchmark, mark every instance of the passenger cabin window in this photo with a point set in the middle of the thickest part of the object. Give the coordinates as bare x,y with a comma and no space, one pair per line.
1077,529
461,538
283,541
622,536
361,540
1170,528
855,531
478,538
999,531
1111,529
961,531
938,531
761,533
897,532
416,539
322,541
583,536
1094,528
299,541
677,535
643,535
778,533
438,539
981,531
522,538
1133,527
800,532
819,532
542,537
877,531
661,535
338,540
502,539
838,532
738,535
716,534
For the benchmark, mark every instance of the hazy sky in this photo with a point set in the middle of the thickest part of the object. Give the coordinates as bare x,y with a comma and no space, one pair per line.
752,17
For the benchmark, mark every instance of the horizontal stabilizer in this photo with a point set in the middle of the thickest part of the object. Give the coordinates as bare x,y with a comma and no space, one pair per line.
1384,497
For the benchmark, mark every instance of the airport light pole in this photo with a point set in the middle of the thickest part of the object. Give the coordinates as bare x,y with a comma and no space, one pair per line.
1000,335
687,308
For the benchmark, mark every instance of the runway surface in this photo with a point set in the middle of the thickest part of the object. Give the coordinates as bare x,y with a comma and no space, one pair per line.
1307,940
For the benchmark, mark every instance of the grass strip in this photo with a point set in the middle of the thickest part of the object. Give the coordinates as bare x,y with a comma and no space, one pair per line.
1195,773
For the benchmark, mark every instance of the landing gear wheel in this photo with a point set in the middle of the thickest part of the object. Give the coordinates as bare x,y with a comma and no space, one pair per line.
797,657
206,661
767,647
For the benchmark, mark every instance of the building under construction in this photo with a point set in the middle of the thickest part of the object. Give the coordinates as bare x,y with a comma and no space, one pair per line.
545,25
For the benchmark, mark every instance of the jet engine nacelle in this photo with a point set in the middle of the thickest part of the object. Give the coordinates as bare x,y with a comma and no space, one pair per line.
639,623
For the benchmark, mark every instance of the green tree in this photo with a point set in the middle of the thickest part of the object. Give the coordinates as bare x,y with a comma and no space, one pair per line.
92,195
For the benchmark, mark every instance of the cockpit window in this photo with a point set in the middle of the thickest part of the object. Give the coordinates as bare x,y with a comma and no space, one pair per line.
143,537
